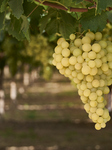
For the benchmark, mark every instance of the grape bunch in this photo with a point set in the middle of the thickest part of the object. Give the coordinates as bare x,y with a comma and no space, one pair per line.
88,62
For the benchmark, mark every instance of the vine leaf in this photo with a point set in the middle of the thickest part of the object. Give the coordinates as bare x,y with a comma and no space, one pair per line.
102,5
44,20
16,7
65,2
52,27
109,14
25,27
77,1
3,5
93,22
18,28
58,21
67,24
2,16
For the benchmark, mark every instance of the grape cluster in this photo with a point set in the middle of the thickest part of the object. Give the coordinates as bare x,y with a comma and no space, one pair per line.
88,62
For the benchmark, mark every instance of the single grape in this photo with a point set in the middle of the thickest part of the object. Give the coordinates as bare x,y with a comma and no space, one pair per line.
97,126
72,60
99,111
103,44
91,64
98,36
59,65
64,44
58,49
72,36
60,40
92,55
78,42
96,47
86,39
77,52
93,103
65,62
93,96
95,83
86,70
91,35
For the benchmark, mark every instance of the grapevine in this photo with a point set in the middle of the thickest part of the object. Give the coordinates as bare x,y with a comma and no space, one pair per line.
87,61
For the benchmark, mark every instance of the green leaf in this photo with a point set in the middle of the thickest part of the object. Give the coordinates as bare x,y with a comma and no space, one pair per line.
66,2
109,14
66,29
14,28
67,17
25,27
52,27
45,19
102,5
3,5
2,16
17,7
77,1
67,24
93,22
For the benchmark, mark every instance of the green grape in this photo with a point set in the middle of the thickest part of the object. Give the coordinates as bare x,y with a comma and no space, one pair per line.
97,126
93,96
58,49
64,44
98,36
92,64
91,35
93,103
72,36
65,62
95,83
86,39
58,58
72,60
86,47
96,47
77,52
60,40
103,44
78,42
86,70
99,111
66,52
59,65
86,92
92,55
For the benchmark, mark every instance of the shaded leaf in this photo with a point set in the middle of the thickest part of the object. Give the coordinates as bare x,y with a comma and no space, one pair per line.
103,4
92,22
14,28
44,20
66,29
2,16
109,14
3,5
52,27
66,2
25,27
17,7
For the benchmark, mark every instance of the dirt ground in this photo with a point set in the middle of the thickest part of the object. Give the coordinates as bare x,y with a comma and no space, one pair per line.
50,116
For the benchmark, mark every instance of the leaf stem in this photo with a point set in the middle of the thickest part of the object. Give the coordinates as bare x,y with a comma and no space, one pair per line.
32,11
